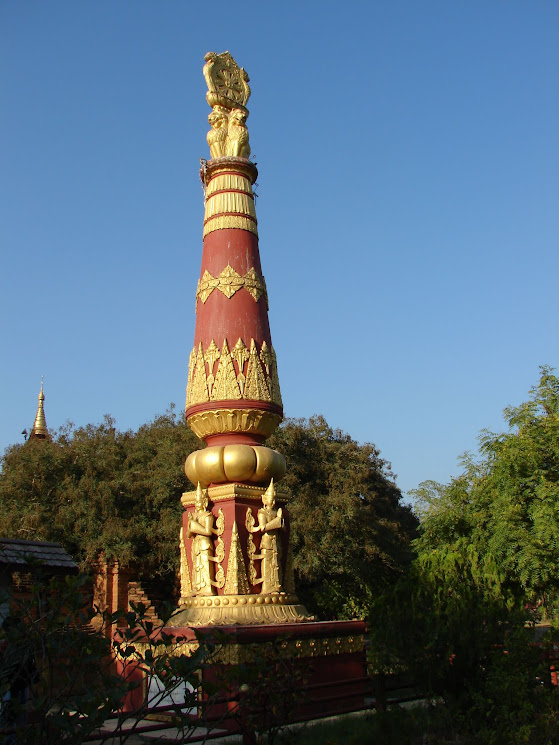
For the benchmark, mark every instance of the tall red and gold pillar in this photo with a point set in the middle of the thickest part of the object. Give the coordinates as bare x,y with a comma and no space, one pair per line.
236,562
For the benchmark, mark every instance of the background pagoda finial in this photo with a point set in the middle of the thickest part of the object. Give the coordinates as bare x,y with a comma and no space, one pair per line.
40,430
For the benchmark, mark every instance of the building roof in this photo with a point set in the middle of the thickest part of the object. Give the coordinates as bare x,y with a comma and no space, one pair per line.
15,553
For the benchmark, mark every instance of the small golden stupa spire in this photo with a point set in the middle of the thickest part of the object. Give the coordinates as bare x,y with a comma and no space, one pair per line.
40,430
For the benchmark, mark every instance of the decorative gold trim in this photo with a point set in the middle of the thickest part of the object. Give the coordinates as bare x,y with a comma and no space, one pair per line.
229,282
273,381
229,201
247,421
241,354
215,601
256,387
222,610
211,355
219,549
220,222
236,582
226,387
227,165
255,376
197,390
228,491
186,583
191,365
230,181
237,654
251,548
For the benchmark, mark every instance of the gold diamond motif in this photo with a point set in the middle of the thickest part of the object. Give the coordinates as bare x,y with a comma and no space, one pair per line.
229,282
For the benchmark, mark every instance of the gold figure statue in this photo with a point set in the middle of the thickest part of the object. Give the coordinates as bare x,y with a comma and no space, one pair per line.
186,584
217,135
237,135
270,522
228,93
251,548
200,529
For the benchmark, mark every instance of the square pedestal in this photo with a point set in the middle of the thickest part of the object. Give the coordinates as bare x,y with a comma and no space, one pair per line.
315,669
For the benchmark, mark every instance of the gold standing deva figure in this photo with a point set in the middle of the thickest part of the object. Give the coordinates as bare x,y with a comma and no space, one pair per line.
270,522
200,528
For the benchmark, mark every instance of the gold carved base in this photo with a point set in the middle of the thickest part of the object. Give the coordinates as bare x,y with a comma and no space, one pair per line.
288,649
224,421
245,610
222,492
245,654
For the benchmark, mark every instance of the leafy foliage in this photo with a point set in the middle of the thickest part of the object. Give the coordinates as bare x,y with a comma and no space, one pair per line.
58,680
505,505
462,621
479,661
95,488
351,533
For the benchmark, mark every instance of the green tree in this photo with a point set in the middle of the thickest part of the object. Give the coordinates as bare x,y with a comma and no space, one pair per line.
94,488
461,620
505,504
58,680
351,533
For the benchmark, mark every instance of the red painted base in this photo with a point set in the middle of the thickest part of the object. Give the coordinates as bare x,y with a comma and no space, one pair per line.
312,670
266,676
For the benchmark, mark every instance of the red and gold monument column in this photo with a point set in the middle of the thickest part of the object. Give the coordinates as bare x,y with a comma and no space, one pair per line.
236,561
235,555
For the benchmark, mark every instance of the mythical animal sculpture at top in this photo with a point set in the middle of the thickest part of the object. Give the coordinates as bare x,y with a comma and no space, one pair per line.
217,136
237,135
228,93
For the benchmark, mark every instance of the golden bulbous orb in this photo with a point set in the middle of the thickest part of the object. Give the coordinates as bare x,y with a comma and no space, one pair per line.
269,464
239,462
209,466
253,464
190,467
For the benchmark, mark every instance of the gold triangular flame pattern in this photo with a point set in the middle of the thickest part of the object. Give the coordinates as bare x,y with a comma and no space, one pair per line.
256,387
226,386
240,374
199,388
275,391
236,582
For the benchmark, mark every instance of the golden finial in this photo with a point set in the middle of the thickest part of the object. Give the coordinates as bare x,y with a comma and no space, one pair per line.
40,426
227,82
228,93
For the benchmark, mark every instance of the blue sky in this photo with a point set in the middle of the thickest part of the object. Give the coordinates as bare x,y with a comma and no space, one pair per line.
408,191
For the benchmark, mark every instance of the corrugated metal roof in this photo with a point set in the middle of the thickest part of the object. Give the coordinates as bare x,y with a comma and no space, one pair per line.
13,552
